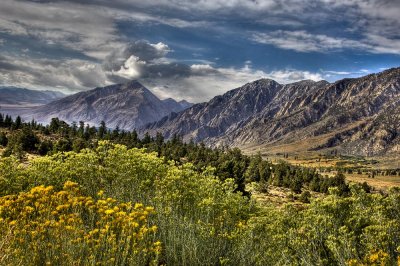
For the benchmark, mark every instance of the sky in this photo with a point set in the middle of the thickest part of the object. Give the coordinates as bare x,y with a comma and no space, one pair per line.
196,49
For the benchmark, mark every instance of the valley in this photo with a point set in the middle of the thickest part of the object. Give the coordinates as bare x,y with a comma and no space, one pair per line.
200,133
206,186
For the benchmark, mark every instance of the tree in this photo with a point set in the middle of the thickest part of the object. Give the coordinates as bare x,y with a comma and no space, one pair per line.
18,123
102,130
54,125
305,197
296,184
81,129
252,173
63,145
29,140
146,139
78,144
73,129
8,121
45,147
115,133
3,139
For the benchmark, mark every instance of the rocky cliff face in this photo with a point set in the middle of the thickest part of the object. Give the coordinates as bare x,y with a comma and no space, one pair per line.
127,106
355,116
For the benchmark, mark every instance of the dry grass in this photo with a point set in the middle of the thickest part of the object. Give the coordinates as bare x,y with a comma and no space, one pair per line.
302,149
277,196
379,182
297,144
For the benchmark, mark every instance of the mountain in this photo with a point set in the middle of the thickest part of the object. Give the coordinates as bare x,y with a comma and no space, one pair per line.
359,116
127,106
176,106
21,96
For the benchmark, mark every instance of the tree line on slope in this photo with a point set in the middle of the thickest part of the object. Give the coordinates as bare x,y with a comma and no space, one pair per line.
59,136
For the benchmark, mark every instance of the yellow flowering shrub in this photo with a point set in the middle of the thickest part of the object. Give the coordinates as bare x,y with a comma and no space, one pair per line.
373,258
44,226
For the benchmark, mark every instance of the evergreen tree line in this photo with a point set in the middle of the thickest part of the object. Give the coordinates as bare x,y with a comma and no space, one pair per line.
59,136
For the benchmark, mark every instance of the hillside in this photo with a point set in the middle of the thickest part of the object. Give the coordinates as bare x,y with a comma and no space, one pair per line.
20,96
353,116
127,106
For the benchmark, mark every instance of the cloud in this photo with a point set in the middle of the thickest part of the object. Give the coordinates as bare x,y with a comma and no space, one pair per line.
68,76
142,59
289,76
338,72
87,29
202,69
346,73
141,49
131,68
303,41
206,81
95,51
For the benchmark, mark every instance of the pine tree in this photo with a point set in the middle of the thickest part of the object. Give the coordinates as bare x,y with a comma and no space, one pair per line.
102,130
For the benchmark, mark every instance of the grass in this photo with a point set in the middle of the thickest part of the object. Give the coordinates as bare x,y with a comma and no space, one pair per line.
379,182
277,196
321,161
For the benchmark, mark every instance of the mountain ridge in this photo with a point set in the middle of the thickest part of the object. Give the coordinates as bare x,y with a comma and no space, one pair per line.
126,106
264,112
17,96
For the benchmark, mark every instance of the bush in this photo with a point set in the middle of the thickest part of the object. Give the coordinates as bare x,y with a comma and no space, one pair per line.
43,226
196,213
305,197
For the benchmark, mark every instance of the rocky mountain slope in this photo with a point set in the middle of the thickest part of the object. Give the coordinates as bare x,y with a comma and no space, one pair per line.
358,116
127,106
21,96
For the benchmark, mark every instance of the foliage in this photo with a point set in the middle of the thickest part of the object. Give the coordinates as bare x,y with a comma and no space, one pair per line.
228,163
361,229
52,211
44,226
197,214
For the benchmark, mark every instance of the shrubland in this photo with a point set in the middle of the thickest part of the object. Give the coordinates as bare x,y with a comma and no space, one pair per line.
151,202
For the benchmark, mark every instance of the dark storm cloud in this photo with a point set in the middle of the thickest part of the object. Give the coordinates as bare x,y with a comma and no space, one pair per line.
167,70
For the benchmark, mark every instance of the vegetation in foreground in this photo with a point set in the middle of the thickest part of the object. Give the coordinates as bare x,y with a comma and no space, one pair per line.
197,220
88,207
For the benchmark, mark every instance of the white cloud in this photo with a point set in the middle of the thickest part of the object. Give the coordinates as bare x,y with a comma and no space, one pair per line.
303,41
68,75
345,73
162,49
288,76
338,72
382,44
202,69
87,29
131,68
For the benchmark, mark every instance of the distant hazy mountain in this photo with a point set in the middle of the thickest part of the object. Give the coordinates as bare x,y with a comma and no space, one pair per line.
127,106
358,116
20,96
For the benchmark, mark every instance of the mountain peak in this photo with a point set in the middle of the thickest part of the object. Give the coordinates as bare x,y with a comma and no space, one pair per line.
133,84
308,82
127,105
18,96
349,115
264,81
